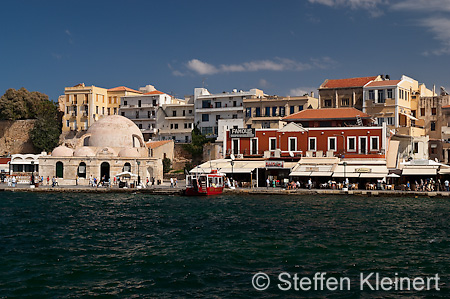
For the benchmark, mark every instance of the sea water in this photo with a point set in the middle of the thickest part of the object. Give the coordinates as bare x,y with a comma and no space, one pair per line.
70,245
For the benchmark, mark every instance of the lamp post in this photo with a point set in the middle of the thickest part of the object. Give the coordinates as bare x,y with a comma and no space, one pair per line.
345,174
32,173
232,170
139,178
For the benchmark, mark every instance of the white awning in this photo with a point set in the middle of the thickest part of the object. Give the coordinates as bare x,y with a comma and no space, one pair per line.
419,171
347,174
373,175
322,173
444,171
300,173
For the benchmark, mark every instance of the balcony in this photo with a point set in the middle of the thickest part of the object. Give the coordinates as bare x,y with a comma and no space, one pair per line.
410,131
221,109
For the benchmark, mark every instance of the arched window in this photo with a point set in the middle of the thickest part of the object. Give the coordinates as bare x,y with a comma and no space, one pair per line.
127,167
59,169
81,172
86,141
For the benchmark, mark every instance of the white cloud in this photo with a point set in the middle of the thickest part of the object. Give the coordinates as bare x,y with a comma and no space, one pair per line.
201,67
277,64
372,6
300,91
423,5
263,83
68,32
440,27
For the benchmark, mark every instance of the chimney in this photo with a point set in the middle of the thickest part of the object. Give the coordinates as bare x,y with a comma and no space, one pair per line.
388,78
312,94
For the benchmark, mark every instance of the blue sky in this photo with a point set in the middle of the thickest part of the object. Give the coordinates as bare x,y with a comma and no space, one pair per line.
283,47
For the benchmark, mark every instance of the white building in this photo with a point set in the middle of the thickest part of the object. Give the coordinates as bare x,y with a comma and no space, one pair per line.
175,121
209,108
142,110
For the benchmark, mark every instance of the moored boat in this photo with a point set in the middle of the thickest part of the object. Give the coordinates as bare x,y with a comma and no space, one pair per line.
205,183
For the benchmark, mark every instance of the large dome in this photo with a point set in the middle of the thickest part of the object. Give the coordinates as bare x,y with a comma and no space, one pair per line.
115,131
62,151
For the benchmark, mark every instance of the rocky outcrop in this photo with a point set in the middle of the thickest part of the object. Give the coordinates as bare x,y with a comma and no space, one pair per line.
15,137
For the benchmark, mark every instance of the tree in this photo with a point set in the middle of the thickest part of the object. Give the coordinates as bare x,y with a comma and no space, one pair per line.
21,104
195,148
47,129
167,164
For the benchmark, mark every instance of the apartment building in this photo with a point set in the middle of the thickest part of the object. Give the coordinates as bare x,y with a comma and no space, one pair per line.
267,112
175,121
209,108
142,109
83,105
344,93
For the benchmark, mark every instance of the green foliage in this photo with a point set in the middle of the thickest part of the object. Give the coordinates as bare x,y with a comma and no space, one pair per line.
21,104
167,164
195,148
46,131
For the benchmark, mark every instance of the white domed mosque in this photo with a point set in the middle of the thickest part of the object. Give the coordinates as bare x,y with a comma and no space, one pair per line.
112,145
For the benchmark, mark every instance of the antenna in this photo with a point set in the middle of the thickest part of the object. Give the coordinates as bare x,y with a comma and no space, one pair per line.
204,82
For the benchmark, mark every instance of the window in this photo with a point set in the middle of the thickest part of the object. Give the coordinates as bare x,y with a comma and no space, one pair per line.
390,121
272,143
176,126
234,116
291,109
257,111
171,126
206,104
137,114
217,117
115,111
371,94
125,103
174,113
433,111
96,109
126,167
345,102
433,126
205,117
67,123
380,121
115,100
416,148
381,98
59,170
292,141
300,107
235,145
184,112
312,143
351,144
148,114
265,125
254,146
186,126
282,110
122,113
140,126
389,94
103,110
362,145
248,112
81,171
154,102
274,111
109,111
332,144
218,104
234,104
267,111
327,103
374,143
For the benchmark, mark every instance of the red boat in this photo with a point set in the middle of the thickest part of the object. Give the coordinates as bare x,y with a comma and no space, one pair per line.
205,183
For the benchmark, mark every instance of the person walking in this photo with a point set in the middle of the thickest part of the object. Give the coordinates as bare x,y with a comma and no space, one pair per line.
447,185
171,182
309,184
268,183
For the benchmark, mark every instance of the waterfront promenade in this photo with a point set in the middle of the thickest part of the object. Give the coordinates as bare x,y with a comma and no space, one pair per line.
165,189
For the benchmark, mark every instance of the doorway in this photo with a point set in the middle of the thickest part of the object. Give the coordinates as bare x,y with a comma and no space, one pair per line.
104,170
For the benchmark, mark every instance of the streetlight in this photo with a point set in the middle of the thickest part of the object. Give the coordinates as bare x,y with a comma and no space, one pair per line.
32,173
139,178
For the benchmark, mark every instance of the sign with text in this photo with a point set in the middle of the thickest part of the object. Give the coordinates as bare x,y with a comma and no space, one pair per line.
242,133
274,164
363,170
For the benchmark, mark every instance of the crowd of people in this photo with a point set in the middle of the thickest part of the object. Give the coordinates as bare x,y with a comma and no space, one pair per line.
428,185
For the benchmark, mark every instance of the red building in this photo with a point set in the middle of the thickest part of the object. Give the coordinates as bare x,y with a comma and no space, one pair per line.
332,117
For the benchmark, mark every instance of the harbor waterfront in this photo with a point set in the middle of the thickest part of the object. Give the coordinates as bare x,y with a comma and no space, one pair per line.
135,244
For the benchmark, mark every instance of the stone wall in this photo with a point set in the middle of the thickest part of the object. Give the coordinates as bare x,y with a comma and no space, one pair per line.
15,137
180,157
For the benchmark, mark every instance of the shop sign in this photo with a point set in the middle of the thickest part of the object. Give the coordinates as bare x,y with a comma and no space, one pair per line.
274,164
242,133
363,170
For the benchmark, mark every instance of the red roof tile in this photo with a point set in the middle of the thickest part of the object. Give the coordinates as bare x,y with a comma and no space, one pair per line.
446,107
350,82
155,92
123,88
326,114
383,83
155,144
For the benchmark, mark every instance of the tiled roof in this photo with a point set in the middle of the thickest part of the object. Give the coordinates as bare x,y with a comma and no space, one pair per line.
326,114
155,144
5,160
383,83
446,107
155,92
123,88
350,82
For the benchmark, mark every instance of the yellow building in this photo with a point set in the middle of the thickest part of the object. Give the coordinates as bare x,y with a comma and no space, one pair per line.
83,105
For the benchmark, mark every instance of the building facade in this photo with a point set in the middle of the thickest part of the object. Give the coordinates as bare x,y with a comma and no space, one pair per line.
209,108
175,121
267,112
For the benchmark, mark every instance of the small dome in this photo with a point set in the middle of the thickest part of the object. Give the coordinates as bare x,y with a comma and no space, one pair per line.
130,152
115,131
84,151
62,151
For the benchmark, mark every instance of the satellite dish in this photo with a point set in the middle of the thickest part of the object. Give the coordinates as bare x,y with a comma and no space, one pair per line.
232,157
